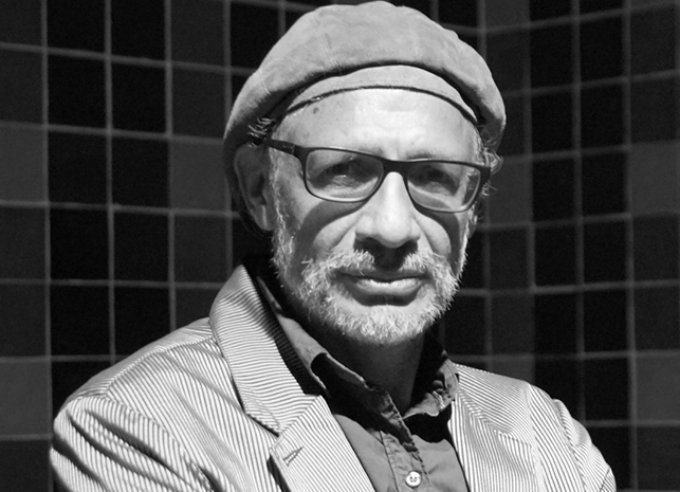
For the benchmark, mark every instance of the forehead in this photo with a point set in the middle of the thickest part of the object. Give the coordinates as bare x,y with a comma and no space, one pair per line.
393,122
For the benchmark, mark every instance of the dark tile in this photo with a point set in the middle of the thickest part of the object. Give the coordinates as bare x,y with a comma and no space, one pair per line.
22,243
79,244
601,48
292,17
508,56
504,13
142,316
20,21
614,444
248,45
21,173
76,91
519,367
138,28
513,138
511,200
551,56
21,82
77,24
138,98
470,39
656,250
555,319
22,309
314,2
25,465
141,247
553,189
207,235
653,40
460,13
603,184
193,304
198,103
658,397
658,451
560,378
197,31
655,110
246,242
197,176
77,168
654,176
605,317
551,122
544,9
464,326
601,116
473,274
606,389
140,172
604,251
79,319
657,318
555,256
67,377
587,6
504,245
24,404
512,324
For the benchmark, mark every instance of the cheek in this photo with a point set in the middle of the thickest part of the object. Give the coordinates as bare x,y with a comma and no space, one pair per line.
446,234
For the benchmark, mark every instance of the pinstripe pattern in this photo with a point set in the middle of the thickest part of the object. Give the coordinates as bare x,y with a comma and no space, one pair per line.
215,406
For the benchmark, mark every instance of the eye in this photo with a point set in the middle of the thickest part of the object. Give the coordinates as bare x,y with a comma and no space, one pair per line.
438,177
334,168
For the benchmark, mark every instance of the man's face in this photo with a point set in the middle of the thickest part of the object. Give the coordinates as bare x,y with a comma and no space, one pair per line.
382,270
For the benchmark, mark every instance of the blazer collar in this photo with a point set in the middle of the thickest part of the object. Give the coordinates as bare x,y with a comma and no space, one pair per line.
311,451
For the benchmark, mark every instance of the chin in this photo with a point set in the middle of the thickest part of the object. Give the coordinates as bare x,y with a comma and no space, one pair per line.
375,324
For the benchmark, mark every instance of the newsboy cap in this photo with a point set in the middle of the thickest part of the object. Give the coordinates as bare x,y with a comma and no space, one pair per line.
339,39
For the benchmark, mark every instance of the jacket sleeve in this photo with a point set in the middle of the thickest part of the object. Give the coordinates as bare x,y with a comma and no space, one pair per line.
102,445
596,473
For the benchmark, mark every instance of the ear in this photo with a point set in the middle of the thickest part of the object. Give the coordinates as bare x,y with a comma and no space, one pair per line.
252,171
472,222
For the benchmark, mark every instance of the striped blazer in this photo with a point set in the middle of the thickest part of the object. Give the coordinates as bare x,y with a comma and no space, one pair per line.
217,406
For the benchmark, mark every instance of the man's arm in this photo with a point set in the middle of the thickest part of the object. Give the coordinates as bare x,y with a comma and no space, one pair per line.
597,474
102,445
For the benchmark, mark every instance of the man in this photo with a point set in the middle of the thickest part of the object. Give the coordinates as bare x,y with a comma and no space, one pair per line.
362,146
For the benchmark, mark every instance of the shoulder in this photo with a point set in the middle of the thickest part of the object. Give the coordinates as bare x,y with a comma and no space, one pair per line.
186,358
525,412
492,391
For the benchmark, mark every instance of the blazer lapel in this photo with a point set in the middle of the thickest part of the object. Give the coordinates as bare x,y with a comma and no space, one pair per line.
310,451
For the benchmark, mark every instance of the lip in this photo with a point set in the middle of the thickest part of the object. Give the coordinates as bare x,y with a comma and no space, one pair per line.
383,285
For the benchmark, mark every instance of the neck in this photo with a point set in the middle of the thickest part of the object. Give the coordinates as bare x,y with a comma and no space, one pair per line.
392,366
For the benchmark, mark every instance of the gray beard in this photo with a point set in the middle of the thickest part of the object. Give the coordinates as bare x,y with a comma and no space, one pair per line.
317,292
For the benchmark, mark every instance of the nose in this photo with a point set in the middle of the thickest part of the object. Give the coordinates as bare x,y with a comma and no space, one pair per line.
388,217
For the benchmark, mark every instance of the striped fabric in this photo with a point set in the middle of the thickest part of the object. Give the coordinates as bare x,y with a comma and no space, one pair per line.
215,406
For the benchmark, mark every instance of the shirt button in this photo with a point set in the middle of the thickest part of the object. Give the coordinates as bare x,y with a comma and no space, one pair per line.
413,479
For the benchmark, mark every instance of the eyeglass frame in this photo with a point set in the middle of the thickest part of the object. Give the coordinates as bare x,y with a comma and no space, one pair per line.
301,152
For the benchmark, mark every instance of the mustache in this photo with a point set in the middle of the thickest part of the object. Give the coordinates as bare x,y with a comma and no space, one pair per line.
422,263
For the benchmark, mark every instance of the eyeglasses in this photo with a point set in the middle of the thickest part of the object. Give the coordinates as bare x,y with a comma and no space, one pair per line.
348,176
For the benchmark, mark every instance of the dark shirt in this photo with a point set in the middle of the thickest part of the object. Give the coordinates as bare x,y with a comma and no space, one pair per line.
399,452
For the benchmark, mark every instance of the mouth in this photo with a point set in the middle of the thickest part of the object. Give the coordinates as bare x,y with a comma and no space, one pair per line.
381,287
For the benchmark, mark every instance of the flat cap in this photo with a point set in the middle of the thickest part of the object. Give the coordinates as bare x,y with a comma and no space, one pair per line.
339,39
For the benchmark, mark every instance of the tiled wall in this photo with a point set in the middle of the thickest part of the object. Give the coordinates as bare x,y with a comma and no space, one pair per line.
115,224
